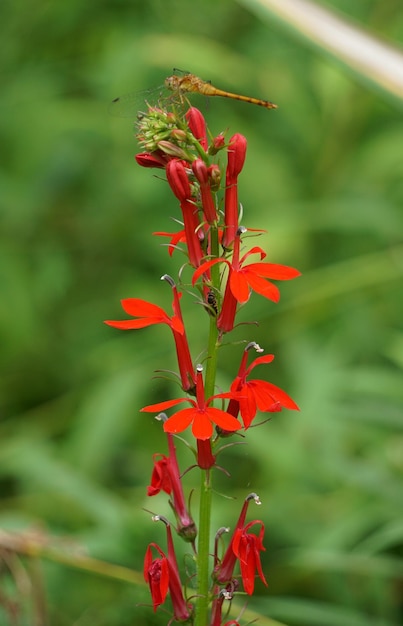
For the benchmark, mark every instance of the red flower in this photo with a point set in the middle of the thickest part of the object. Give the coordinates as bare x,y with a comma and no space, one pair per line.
160,478
243,278
156,574
247,547
149,314
201,415
162,574
166,477
256,394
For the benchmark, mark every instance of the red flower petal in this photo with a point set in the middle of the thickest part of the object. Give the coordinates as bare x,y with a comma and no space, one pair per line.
175,239
133,324
254,250
247,405
266,393
239,286
180,421
202,427
262,286
161,406
204,267
266,358
223,419
142,308
273,270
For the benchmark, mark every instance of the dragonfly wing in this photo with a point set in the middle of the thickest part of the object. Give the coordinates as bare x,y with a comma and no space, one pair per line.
130,104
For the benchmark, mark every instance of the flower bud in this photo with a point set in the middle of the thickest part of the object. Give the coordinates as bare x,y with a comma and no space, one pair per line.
200,171
170,148
217,145
197,125
236,156
177,134
145,159
214,173
178,179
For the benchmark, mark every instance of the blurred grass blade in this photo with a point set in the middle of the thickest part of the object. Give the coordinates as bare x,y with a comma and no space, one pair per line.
300,612
370,58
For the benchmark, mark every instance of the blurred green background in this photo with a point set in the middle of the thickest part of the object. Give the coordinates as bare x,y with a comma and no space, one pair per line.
324,176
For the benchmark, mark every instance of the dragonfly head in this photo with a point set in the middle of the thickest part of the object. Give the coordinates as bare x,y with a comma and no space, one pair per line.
172,82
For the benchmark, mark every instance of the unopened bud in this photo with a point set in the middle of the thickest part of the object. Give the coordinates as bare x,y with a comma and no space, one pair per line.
200,171
170,148
178,180
236,156
177,134
214,173
217,144
197,125
146,159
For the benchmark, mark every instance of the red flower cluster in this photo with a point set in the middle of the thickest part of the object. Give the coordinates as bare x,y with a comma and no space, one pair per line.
225,278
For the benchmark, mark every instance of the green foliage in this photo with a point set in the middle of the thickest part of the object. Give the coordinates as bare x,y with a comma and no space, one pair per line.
323,176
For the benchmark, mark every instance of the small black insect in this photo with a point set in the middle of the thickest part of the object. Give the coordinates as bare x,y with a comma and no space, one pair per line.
212,301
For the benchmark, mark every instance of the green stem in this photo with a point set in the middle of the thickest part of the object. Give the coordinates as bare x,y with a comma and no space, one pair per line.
212,348
211,365
203,552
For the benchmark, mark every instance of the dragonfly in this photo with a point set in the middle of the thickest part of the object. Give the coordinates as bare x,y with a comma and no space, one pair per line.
180,87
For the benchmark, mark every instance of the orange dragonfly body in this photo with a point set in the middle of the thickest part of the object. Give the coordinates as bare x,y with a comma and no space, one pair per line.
189,83
175,90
